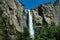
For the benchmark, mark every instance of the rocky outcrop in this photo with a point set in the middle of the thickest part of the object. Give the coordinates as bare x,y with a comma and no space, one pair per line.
37,18
50,13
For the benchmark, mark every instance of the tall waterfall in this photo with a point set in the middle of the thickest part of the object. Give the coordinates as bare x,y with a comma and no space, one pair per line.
31,30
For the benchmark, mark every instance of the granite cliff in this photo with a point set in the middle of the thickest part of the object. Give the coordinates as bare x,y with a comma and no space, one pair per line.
14,18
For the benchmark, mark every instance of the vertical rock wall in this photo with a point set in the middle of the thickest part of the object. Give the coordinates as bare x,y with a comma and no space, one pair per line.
11,14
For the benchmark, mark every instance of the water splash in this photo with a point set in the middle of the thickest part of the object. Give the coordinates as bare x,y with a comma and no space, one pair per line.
31,30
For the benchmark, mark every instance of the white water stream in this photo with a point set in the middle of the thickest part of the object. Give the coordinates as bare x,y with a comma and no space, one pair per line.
31,30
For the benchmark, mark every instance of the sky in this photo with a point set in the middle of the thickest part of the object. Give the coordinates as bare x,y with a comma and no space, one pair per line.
32,4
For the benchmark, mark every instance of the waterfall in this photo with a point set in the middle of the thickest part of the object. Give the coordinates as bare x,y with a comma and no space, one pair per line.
31,30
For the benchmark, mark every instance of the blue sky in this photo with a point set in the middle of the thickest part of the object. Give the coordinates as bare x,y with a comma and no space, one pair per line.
32,4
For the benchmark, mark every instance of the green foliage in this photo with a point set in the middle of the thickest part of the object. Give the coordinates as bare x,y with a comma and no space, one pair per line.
49,33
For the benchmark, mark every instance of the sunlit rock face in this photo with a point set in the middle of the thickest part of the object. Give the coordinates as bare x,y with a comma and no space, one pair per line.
51,13
14,19
11,19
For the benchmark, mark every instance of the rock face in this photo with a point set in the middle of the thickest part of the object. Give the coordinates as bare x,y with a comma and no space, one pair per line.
51,13
14,18
11,14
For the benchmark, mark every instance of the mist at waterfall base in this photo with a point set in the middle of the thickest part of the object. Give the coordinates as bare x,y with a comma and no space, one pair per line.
32,4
